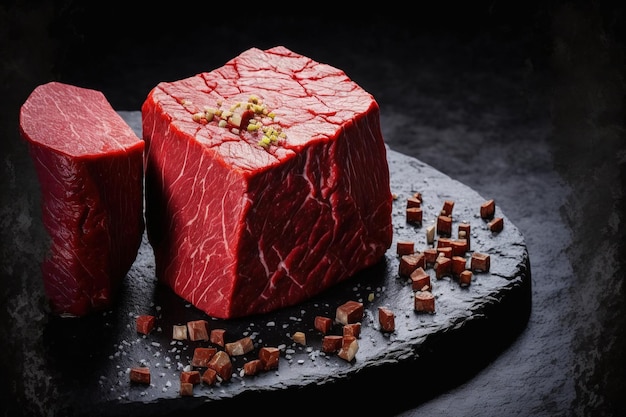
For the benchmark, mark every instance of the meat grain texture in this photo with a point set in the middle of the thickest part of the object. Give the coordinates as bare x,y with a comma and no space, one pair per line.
89,164
240,229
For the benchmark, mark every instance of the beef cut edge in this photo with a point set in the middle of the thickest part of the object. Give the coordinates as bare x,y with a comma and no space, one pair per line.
240,229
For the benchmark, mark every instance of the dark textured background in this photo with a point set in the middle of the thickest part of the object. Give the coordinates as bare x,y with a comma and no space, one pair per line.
518,101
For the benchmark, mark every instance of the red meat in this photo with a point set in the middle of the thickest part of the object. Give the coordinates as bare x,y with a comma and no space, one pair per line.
238,228
90,168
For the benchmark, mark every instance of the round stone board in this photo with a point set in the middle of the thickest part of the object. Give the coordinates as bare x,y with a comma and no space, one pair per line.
89,359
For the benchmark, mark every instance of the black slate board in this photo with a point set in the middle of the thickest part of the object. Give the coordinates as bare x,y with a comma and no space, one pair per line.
87,360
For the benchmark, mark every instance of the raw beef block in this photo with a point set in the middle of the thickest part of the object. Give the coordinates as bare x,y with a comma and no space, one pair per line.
90,168
266,182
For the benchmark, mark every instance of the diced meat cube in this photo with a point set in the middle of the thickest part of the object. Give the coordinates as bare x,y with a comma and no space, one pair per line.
202,356
349,348
480,262
496,224
459,264
386,319
193,377
140,375
209,376
465,278
186,389
323,324
488,209
420,280
197,330
414,215
448,205
331,343
239,347
443,267
352,329
405,247
253,367
145,323
270,357
444,225
221,363
409,263
349,312
424,301
217,336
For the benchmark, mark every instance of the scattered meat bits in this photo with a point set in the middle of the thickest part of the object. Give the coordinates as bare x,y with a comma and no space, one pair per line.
252,367
217,337
414,215
323,324
459,247
480,262
464,233
300,338
430,256
420,280
405,247
413,202
179,332
386,319
331,343
140,375
409,263
430,234
458,265
445,251
448,205
192,377
145,323
269,356
349,348
352,329
209,376
424,302
349,312
444,225
465,277
197,330
186,389
443,267
221,363
496,225
488,209
239,347
202,356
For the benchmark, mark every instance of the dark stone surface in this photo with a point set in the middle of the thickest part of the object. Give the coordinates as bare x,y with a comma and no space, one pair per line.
524,105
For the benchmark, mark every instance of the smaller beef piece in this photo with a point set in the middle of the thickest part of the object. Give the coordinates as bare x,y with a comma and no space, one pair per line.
323,324
140,375
145,323
413,202
430,256
424,302
386,319
331,343
349,312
